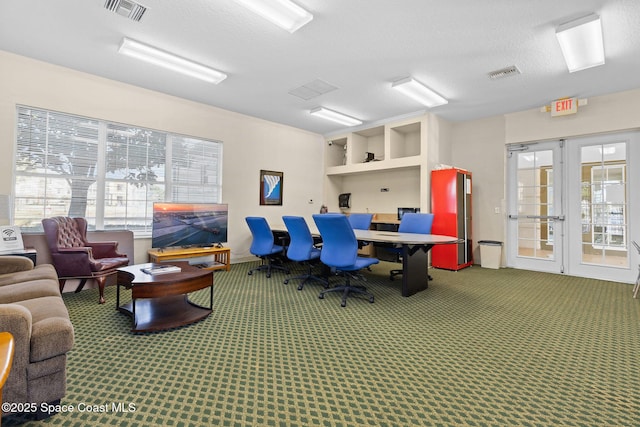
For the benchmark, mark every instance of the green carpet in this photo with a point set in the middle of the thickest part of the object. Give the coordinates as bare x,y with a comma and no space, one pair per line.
480,347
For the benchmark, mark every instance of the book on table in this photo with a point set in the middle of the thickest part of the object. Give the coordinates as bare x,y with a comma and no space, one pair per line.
162,269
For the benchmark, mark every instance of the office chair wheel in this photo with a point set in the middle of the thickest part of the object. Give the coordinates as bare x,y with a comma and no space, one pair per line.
321,296
286,281
371,299
250,273
300,287
343,303
268,275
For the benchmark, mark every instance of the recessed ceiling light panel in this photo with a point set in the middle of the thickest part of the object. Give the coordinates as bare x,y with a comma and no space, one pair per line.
335,116
161,58
581,43
284,13
419,92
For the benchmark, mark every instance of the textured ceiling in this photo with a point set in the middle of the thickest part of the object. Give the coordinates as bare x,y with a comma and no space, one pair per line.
358,46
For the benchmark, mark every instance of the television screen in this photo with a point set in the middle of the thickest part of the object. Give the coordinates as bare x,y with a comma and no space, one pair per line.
189,224
402,211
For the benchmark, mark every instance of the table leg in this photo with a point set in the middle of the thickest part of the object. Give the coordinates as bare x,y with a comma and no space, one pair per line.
414,269
211,297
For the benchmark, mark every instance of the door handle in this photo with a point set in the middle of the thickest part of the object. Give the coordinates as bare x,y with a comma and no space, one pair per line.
551,217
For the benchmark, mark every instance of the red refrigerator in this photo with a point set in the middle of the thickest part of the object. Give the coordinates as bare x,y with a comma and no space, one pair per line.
451,206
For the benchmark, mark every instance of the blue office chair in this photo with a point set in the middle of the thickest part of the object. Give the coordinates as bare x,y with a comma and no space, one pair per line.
301,249
419,223
340,253
263,245
360,221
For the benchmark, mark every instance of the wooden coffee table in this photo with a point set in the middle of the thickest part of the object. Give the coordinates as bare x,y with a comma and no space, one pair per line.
160,301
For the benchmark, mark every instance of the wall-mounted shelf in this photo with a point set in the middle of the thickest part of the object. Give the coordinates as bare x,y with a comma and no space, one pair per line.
405,140
384,166
375,166
394,145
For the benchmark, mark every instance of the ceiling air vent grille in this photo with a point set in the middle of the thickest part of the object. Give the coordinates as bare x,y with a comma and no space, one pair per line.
312,89
126,8
505,72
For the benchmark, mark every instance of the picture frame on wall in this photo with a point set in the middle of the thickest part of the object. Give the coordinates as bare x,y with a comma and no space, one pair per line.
271,188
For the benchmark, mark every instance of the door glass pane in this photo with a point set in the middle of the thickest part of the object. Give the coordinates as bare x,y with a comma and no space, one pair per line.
535,202
604,204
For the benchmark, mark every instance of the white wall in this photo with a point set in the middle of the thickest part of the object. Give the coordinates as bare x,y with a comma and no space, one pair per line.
479,147
250,144
608,113
367,197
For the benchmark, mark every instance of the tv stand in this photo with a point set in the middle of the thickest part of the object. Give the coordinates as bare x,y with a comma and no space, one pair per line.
221,256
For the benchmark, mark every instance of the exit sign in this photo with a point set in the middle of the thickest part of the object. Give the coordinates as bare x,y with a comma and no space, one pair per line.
564,106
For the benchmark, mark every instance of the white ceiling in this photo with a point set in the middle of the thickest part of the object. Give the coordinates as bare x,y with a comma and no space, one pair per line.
360,46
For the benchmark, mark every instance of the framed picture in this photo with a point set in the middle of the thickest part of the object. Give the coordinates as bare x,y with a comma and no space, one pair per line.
271,188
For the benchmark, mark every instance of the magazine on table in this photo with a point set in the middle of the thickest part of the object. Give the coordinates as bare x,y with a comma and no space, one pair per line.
162,269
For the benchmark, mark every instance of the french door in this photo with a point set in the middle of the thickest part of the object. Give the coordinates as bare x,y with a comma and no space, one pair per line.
571,206
536,218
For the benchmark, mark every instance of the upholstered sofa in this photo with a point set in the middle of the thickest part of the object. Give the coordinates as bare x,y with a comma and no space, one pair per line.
32,310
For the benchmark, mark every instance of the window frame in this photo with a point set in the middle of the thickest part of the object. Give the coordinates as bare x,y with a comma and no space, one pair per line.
210,184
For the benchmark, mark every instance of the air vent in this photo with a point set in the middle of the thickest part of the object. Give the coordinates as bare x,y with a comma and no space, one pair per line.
126,8
505,72
312,89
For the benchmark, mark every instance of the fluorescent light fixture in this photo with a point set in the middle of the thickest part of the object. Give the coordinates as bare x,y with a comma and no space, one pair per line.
416,90
335,116
581,43
168,60
283,13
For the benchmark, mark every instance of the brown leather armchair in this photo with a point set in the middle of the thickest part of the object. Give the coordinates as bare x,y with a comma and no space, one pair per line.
76,258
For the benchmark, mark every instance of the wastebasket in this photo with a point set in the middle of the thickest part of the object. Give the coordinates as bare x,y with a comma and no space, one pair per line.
490,253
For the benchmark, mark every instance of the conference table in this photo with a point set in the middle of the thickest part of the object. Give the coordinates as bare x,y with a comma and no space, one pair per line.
415,249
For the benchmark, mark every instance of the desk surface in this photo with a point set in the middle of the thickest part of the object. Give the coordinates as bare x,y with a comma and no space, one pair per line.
387,236
403,238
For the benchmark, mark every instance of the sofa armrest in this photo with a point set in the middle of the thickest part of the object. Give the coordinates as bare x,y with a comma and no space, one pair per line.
17,320
14,263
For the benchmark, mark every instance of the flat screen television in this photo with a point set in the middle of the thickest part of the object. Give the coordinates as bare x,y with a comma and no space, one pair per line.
189,224
402,211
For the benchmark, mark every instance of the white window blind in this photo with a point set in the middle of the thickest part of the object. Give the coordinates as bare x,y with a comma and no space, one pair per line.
109,173
134,176
55,167
195,171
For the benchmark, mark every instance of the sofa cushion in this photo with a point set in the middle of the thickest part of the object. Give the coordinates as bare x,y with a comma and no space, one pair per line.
43,271
51,331
28,290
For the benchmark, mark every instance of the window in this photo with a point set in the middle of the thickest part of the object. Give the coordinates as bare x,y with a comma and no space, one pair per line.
109,173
